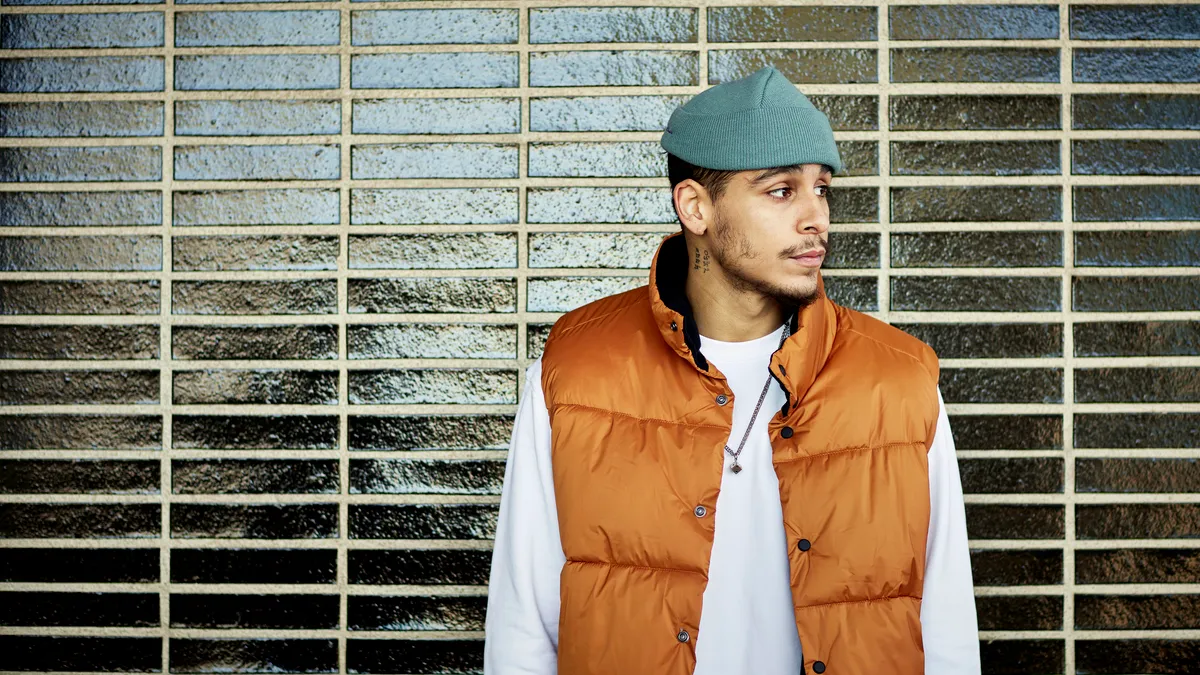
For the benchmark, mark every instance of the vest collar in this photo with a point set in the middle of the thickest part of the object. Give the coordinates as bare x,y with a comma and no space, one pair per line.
795,365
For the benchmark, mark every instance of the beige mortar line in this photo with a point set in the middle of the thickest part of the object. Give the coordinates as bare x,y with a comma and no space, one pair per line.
346,165
522,346
1066,57
165,382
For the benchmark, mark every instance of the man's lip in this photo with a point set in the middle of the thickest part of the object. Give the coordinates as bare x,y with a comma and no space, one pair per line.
810,254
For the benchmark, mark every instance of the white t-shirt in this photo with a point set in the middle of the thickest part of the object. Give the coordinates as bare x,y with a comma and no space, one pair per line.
747,625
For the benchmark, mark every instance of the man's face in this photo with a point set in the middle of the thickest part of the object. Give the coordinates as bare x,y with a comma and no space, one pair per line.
771,232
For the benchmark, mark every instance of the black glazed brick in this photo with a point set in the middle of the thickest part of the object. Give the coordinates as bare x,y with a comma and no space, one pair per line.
264,386
1135,294
859,158
433,385
1149,248
254,521
1136,202
1136,612
406,612
253,656
79,609
847,112
974,112
79,476
791,24
423,521
1137,338
851,250
975,158
431,341
1114,474
1133,22
853,205
414,656
974,64
120,253
1137,521
254,476
79,521
1135,111
426,476
255,432
535,337
976,249
254,252
1137,430
79,565
1012,475
420,566
1019,612
254,342
860,293
300,296
1022,657
1137,566
79,297
65,387
973,22
1123,157
1035,203
90,342
197,610
799,66
1116,657
1034,567
430,432
432,295
989,340
1138,385
1133,64
91,654
1014,521
251,566
1007,432
976,294
1001,385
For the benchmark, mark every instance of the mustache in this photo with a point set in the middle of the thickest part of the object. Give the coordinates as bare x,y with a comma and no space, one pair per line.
797,250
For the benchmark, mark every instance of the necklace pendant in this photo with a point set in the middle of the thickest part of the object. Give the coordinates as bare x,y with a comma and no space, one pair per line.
736,468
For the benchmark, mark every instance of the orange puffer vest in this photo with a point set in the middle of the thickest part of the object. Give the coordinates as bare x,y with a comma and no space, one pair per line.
637,446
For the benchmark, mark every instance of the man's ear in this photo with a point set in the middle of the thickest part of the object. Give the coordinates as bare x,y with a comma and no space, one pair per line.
693,206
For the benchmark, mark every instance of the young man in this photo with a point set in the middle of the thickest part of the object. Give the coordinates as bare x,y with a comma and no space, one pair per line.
723,472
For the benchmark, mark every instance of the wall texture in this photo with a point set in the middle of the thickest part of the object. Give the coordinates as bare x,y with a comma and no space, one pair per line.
269,275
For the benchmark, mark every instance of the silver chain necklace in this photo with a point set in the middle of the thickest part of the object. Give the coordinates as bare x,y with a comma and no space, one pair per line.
735,467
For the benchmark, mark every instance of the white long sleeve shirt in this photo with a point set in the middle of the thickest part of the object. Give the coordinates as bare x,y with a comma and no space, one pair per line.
747,624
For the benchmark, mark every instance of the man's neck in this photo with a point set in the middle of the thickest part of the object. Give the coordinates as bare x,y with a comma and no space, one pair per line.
728,314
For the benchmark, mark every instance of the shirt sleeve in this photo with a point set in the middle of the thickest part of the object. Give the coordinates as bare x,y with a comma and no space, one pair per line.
523,603
949,626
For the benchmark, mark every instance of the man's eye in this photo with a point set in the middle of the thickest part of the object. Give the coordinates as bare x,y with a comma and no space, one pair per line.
823,190
782,189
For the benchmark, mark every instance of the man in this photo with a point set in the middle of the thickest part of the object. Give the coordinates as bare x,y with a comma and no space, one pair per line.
724,472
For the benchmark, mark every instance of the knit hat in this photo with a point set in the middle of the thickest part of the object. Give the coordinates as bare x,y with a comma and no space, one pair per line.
756,122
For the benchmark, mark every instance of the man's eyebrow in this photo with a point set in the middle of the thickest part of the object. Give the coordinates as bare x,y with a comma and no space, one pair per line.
768,173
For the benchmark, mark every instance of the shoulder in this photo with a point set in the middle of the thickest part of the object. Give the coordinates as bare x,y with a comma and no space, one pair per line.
598,315
864,330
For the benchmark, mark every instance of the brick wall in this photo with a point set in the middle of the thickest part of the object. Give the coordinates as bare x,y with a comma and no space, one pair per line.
269,275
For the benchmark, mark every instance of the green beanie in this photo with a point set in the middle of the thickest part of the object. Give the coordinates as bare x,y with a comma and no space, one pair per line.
756,122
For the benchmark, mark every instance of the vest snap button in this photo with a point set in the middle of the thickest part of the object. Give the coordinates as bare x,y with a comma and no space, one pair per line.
700,511
722,399
684,637
804,544
786,432
674,326
818,667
